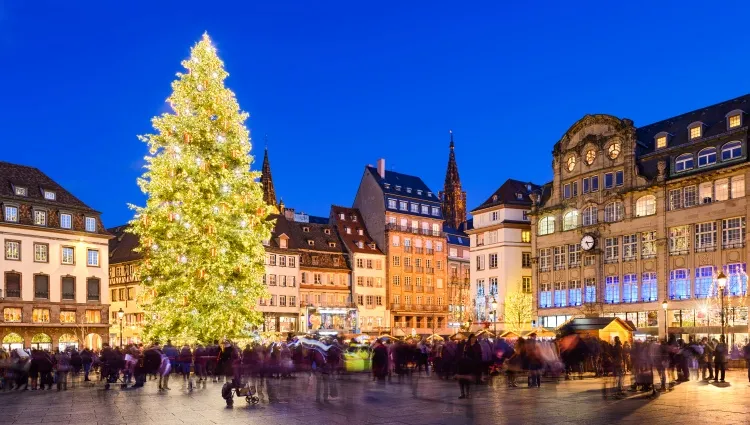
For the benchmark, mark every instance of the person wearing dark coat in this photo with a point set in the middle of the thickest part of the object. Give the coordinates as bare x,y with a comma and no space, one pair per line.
148,363
380,361
87,358
468,364
720,359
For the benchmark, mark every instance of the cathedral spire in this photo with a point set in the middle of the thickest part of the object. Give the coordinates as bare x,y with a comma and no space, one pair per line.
269,194
453,196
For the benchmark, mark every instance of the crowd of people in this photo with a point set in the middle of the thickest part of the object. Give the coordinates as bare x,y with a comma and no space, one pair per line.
471,361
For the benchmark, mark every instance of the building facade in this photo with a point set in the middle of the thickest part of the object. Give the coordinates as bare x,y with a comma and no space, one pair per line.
637,217
54,263
282,277
126,292
404,218
501,254
368,270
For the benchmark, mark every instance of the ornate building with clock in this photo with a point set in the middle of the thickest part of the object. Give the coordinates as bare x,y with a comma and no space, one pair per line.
639,223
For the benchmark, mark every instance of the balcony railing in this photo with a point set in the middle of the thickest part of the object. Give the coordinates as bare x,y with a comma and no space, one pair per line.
419,288
68,296
407,287
706,247
92,297
419,269
430,270
408,268
414,230
407,248
733,245
611,260
429,251
430,289
44,295
419,250
13,293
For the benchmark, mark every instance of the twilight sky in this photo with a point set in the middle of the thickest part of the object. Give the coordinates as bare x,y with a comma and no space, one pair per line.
337,85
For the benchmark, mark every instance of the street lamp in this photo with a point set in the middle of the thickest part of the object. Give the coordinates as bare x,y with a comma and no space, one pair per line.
494,308
120,315
664,306
721,279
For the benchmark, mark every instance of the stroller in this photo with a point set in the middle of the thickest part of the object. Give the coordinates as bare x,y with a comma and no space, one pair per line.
236,387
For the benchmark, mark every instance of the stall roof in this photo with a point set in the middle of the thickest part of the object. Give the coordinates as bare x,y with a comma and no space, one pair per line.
596,323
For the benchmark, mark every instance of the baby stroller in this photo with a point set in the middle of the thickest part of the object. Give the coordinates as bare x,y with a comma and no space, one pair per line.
236,387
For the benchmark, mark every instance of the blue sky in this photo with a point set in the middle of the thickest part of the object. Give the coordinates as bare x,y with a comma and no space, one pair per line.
337,85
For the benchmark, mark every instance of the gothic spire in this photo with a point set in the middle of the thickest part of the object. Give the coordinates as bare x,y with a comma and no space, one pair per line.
269,194
454,198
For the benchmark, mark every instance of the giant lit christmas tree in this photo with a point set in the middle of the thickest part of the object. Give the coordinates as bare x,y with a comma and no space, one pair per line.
204,223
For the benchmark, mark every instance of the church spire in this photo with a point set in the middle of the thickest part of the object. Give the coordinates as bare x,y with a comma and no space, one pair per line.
453,196
269,194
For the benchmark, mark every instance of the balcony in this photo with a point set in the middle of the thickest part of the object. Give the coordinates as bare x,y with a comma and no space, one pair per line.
733,245
706,247
611,260
419,288
13,293
430,289
419,250
414,230
559,266
429,251
407,248
430,270
420,269
407,287
408,269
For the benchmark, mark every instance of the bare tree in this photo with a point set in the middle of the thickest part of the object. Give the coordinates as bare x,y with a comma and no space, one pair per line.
518,310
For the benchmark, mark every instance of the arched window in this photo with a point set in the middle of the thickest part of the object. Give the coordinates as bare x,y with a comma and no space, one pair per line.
706,157
614,211
570,220
589,215
684,162
731,150
645,205
547,225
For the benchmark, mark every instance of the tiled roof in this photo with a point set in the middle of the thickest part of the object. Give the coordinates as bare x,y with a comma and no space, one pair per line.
302,233
507,194
456,236
404,182
34,180
121,247
355,225
282,226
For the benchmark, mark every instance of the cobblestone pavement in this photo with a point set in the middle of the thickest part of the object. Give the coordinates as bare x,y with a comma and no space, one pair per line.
359,401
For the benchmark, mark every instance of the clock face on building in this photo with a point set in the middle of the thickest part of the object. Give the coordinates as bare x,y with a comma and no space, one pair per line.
587,242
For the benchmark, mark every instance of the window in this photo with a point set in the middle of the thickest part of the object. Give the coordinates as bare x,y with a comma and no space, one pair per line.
360,263
526,260
721,188
436,211
66,221
675,199
574,255
396,240
402,205
360,281
611,249
92,289
705,236
690,196
589,260
648,287
629,288
13,250
589,215
733,232
560,294
566,191
705,192
661,142
493,261
68,288
282,261
12,314
414,207
629,247
493,286
679,240
734,121
609,180
545,259
619,178
590,290
546,225
40,315
648,244
68,255
695,132
525,236
480,262
738,186
594,183
684,162
570,220
737,279
11,214
559,257
574,187
67,316
92,257
282,300
131,294
704,278
391,203
41,286
526,284
93,316
90,224
645,205
614,211
706,157
731,150
317,278
679,284
545,295
40,217
20,191
425,210
575,296
612,290
396,280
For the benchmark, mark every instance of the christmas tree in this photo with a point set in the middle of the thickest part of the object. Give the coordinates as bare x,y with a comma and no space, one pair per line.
204,223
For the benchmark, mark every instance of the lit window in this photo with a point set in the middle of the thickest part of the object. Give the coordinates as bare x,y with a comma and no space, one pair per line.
12,250
392,203
614,211
590,215
731,150
525,236
20,191
40,217
68,255
403,205
67,316
11,214
414,207
645,205
90,224
679,284
49,195
40,315
695,132
570,220
629,288
706,157
41,252
66,221
612,290
546,225
661,142
735,121
679,240
435,211
738,186
92,257
93,316
12,314
684,162
425,210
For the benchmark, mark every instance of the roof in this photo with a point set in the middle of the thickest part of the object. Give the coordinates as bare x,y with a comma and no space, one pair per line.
302,233
34,180
507,194
595,323
122,245
408,186
456,236
353,220
281,227
713,117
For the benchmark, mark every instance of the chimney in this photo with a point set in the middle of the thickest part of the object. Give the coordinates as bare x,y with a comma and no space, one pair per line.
381,167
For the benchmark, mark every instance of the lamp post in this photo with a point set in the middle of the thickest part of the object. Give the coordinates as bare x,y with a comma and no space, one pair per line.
494,313
721,279
664,306
120,315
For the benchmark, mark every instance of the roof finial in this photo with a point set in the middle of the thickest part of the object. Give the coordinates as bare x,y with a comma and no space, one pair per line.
451,133
265,140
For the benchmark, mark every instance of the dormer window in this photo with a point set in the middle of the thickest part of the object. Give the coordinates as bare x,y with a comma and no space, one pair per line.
311,242
282,243
342,216
360,232
332,244
494,198
49,195
429,194
398,188
90,224
372,245
734,119
354,218
348,230
387,185
20,191
695,130
519,195
408,190
306,229
360,244
528,187
419,192
327,231
661,140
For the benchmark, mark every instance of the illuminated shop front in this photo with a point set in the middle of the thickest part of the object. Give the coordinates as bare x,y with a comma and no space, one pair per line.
343,320
276,322
706,322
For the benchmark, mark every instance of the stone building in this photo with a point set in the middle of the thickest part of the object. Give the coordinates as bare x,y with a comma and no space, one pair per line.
404,218
282,277
501,250
54,264
126,291
368,270
637,217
